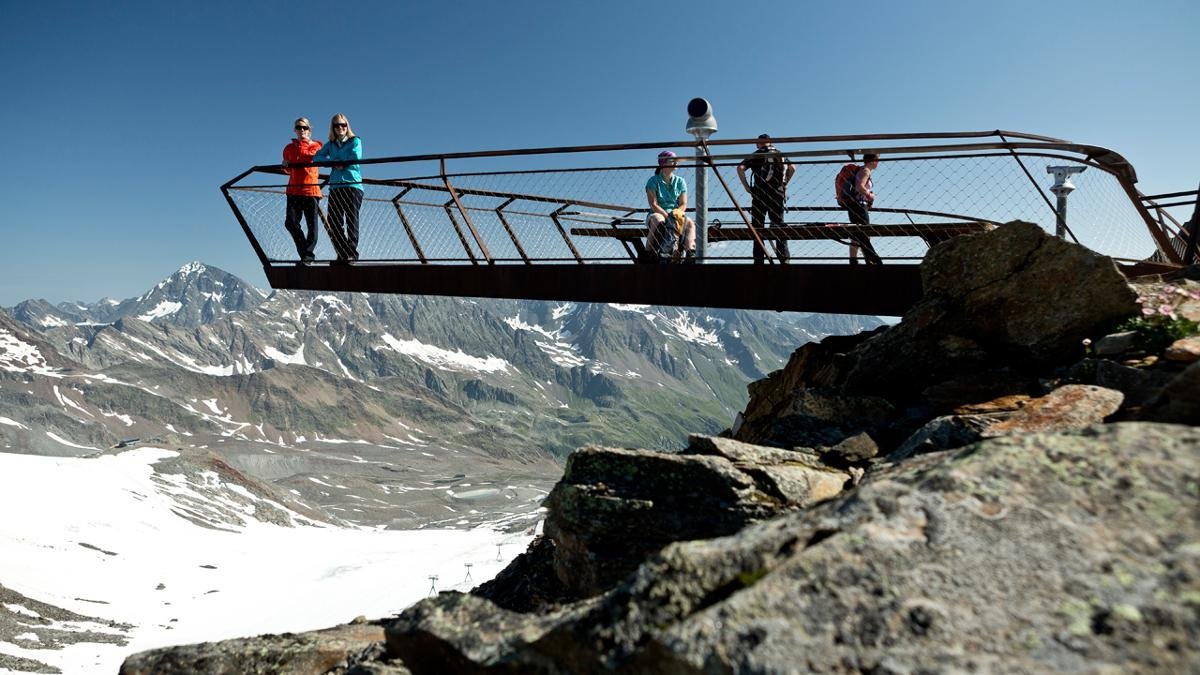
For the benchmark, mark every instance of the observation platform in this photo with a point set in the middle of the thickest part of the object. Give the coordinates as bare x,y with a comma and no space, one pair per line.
567,224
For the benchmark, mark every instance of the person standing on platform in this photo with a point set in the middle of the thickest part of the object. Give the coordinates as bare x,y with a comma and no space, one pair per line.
345,185
771,172
302,189
858,208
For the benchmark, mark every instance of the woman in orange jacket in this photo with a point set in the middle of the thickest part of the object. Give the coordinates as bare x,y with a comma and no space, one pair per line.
303,191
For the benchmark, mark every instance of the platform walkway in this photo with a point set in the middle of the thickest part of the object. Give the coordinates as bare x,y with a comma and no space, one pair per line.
568,223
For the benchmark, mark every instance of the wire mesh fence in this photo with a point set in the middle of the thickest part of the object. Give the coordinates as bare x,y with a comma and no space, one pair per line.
530,208
1178,216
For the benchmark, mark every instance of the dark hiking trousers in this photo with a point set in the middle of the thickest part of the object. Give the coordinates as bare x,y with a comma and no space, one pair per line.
768,201
300,206
859,215
344,204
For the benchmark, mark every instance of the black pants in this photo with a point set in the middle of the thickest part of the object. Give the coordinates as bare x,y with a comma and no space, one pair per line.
859,215
300,206
764,202
344,204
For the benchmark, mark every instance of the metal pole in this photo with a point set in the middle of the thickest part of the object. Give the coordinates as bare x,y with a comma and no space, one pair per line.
1060,229
701,124
701,205
1061,188
1062,223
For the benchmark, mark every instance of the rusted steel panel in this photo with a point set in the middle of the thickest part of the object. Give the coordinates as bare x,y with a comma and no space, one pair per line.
566,237
508,228
805,231
487,255
887,290
458,230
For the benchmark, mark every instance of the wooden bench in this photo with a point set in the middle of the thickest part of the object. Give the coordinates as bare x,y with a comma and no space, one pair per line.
931,233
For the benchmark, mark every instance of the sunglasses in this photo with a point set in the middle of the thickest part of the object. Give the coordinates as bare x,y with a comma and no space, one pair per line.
340,124
300,128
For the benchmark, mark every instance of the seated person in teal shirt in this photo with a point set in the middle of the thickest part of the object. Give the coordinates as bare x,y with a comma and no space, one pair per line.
667,195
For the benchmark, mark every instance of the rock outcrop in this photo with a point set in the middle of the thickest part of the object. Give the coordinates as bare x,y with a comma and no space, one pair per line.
1067,551
615,508
998,309
333,650
969,490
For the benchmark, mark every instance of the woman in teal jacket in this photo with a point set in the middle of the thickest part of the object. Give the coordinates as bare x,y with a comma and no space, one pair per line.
345,184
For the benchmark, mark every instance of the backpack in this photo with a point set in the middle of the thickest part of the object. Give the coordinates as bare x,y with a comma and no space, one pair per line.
843,185
767,167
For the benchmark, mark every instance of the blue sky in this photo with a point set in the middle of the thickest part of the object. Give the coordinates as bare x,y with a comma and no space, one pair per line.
124,118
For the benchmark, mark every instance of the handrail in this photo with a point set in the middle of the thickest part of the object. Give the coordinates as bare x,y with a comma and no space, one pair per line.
978,150
1170,195
553,185
555,150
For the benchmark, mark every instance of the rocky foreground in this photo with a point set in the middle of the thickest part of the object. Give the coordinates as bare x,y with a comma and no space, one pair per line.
1002,482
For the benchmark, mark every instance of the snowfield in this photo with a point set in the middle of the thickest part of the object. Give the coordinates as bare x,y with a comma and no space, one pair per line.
104,537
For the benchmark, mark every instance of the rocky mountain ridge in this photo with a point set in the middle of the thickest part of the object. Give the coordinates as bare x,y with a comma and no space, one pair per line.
1002,482
589,365
405,398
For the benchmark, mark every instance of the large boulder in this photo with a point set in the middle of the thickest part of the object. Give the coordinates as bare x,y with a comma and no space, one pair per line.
1071,406
1014,296
813,365
614,508
316,652
818,417
1179,400
1073,551
999,309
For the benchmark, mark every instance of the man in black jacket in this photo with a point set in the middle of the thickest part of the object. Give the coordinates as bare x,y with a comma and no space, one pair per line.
771,172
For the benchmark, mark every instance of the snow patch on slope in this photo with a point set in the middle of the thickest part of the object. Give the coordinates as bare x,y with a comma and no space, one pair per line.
18,356
297,358
560,352
164,308
684,327
113,530
444,359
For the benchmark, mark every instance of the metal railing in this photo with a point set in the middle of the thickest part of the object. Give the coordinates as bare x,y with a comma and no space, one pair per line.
587,204
1183,236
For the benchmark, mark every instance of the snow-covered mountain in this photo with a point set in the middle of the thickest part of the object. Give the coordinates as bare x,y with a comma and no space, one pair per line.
175,463
511,375
378,409
107,556
192,296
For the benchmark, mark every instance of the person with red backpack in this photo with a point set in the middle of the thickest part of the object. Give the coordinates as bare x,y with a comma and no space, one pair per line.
771,172
856,194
